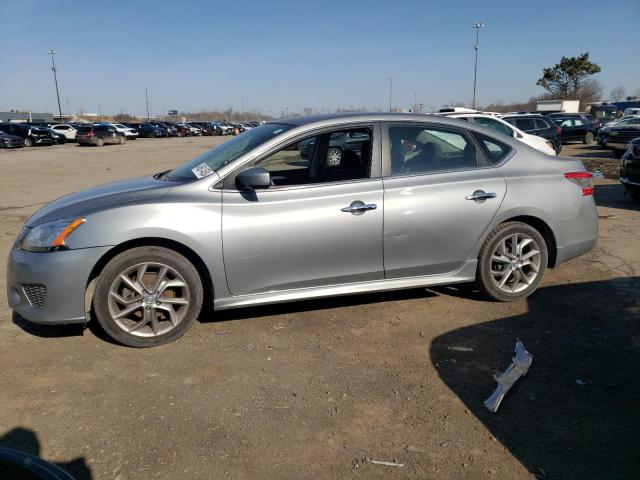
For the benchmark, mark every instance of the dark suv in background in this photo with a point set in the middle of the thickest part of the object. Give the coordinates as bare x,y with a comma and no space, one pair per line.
630,169
538,125
577,127
99,135
31,135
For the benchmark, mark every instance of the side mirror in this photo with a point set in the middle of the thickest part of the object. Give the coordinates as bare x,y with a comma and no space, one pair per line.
254,178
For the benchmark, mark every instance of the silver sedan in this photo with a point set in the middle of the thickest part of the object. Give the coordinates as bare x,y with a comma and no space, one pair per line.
304,208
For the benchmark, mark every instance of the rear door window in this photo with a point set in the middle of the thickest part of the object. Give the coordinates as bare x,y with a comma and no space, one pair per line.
525,124
541,124
427,149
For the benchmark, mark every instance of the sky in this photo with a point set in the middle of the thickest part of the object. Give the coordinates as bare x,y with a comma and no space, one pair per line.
274,56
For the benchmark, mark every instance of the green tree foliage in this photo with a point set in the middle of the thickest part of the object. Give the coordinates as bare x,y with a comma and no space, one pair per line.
569,79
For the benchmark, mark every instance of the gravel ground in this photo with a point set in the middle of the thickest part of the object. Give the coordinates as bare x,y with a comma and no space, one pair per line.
319,389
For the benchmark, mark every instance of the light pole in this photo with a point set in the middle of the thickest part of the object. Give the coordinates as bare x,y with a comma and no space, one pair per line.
52,52
390,91
477,26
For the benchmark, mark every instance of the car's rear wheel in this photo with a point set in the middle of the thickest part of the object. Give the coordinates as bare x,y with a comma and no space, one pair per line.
148,296
512,262
99,142
588,138
28,142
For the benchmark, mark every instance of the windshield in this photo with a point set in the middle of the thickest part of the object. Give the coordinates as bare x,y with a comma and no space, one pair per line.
226,152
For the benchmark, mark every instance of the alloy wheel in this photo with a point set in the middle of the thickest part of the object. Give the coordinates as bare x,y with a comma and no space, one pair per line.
515,263
148,299
334,155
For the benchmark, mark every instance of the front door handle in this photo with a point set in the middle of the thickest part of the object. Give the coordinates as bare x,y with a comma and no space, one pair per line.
358,207
480,196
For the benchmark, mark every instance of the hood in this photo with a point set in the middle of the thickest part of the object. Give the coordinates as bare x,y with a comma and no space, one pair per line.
99,198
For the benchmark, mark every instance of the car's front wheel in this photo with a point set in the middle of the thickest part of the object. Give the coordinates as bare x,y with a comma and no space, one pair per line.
512,262
148,296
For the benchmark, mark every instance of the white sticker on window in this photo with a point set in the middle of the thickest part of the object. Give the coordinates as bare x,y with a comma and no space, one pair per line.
202,170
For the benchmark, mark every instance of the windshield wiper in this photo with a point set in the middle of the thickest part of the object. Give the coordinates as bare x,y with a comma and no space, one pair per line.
162,176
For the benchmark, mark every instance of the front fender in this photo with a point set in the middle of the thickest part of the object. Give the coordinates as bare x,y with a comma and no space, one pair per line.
196,225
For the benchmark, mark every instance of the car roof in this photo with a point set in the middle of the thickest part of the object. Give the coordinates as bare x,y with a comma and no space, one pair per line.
329,119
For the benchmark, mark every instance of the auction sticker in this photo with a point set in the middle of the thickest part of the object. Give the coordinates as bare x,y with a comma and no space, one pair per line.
202,170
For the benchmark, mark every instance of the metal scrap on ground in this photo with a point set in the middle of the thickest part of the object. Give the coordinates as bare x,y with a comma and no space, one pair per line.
387,464
520,364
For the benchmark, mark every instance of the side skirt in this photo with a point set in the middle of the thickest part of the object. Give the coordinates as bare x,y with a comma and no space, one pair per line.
467,273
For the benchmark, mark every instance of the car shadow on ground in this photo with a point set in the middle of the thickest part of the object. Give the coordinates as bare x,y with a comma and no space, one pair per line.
26,440
48,331
595,151
613,196
575,414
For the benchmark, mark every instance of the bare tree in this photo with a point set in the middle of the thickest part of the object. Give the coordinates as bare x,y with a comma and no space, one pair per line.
617,94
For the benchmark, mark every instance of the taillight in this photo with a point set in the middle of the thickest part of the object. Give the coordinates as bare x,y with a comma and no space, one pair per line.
90,134
558,130
583,179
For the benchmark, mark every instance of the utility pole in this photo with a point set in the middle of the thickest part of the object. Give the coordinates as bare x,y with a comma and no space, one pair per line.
99,112
477,26
146,97
390,91
52,52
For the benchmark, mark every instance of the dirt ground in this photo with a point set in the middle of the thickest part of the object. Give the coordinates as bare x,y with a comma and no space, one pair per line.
318,389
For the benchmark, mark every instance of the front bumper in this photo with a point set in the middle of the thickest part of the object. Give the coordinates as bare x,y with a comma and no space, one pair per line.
630,185
616,145
55,281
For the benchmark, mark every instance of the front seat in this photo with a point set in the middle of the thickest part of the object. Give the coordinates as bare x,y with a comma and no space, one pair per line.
350,165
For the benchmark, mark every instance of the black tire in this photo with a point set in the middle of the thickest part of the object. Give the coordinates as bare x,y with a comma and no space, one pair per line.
130,258
588,138
484,280
99,142
28,142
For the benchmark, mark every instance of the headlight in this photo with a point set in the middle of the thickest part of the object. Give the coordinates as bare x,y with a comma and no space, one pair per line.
50,236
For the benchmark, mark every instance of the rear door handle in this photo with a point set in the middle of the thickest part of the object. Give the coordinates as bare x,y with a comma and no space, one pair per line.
358,207
480,196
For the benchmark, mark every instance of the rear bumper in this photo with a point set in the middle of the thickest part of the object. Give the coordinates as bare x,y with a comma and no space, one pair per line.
577,235
59,280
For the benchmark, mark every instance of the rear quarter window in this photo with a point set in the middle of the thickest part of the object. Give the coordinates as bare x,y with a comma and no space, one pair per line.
84,129
495,150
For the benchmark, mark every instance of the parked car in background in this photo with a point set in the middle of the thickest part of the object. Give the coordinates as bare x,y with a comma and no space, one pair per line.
10,141
538,125
441,201
193,130
170,128
576,127
619,136
603,133
129,133
630,169
69,131
99,135
32,136
58,137
148,130
496,123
